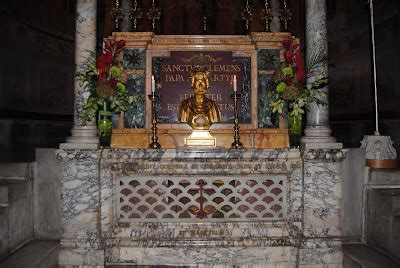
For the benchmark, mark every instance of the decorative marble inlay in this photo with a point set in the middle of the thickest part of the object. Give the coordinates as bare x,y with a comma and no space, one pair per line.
268,59
187,198
245,91
330,155
265,85
134,58
135,116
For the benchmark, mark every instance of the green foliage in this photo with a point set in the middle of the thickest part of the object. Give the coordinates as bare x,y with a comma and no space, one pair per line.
315,60
104,83
296,96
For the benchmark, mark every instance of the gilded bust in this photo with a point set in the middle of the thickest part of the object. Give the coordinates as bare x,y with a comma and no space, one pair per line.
199,111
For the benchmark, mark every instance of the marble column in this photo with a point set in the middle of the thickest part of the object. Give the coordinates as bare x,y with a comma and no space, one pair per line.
276,22
126,24
317,132
83,136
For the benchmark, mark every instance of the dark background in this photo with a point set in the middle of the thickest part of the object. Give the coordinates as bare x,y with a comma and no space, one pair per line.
37,66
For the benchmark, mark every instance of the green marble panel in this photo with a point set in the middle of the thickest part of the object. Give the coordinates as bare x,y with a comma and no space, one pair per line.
134,58
264,113
136,115
268,59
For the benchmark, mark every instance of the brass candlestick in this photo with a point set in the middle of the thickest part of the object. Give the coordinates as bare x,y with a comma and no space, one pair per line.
247,16
154,139
153,15
285,15
135,15
266,14
237,144
117,14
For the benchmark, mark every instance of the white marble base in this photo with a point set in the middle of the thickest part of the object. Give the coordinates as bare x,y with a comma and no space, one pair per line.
83,137
378,147
320,134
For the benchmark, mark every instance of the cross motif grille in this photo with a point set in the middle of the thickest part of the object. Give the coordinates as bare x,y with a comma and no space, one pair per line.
194,198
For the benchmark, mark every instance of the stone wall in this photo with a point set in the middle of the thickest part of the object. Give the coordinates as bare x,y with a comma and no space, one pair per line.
20,137
383,211
36,76
352,193
47,224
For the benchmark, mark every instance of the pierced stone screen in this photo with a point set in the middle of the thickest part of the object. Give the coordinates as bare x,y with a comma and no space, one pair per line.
219,198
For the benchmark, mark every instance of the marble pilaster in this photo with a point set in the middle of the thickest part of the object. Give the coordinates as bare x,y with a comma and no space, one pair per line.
83,136
321,242
317,128
80,206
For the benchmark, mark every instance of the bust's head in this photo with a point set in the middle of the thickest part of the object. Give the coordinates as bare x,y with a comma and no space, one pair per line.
199,76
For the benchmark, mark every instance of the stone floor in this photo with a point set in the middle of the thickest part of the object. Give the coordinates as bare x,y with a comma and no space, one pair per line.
44,254
360,255
37,254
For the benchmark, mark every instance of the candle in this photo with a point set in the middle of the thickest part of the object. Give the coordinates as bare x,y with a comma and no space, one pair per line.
234,83
153,84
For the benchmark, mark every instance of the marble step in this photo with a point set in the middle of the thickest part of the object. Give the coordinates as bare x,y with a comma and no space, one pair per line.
9,180
36,254
363,256
385,177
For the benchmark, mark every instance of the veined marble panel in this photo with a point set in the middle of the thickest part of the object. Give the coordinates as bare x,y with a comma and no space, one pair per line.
79,191
80,206
321,252
135,116
322,193
238,256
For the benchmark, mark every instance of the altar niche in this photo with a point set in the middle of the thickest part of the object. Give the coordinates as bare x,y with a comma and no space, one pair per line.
253,59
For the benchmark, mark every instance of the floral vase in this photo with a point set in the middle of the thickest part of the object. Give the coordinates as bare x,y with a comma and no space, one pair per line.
104,125
294,130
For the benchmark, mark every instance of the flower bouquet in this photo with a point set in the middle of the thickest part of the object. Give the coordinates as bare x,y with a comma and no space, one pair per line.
104,80
291,91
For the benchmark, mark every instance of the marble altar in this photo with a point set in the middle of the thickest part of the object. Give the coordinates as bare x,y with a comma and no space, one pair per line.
214,207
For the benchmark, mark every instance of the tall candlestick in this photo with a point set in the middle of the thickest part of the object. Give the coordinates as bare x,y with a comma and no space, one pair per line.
237,144
153,84
234,83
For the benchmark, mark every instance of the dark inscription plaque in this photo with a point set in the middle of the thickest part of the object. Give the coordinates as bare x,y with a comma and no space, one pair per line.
173,84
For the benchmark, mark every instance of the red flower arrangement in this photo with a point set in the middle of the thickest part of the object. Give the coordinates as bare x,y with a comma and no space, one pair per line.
105,80
290,81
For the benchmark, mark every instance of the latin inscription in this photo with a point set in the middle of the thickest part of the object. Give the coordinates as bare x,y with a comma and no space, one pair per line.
215,167
174,85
